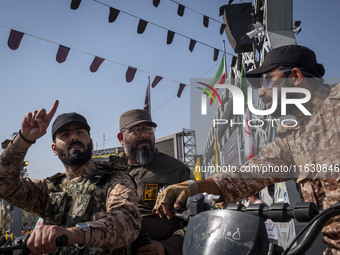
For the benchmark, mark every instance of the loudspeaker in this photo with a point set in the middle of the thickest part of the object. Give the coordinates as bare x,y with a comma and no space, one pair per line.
238,19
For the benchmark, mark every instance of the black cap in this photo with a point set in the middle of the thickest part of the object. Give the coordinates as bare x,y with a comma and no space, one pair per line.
288,55
134,117
66,118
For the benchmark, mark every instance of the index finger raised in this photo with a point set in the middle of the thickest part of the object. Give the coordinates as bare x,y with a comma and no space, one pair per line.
53,110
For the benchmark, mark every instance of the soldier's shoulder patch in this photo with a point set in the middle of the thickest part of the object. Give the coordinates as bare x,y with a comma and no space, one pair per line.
150,192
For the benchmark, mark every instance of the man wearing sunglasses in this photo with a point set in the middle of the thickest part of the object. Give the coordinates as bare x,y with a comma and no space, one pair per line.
312,146
152,171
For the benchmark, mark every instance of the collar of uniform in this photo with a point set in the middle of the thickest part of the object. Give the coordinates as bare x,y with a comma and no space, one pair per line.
317,99
87,169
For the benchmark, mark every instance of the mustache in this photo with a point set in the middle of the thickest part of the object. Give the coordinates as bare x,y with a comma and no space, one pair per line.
75,143
143,141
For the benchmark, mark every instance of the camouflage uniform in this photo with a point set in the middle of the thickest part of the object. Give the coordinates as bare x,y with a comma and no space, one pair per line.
315,140
150,179
104,198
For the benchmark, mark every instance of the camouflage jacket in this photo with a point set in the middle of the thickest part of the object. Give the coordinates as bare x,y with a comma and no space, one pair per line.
313,143
115,224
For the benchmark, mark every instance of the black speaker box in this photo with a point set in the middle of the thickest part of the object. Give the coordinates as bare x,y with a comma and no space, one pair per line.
238,19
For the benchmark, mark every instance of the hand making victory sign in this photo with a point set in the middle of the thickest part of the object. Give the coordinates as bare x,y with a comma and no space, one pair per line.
35,123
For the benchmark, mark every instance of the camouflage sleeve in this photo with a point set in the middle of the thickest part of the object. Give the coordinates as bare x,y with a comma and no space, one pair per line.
121,223
242,183
18,191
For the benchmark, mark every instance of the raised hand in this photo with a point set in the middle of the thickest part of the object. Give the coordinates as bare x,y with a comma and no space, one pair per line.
35,123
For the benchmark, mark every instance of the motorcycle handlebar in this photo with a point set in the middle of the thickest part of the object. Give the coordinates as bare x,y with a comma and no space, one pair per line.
21,244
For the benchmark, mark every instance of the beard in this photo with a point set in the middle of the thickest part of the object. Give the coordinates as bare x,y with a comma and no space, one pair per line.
143,156
76,157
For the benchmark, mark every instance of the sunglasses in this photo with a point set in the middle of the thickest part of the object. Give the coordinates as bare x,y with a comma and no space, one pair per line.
266,79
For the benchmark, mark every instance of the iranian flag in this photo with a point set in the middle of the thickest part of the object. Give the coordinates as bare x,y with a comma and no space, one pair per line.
219,77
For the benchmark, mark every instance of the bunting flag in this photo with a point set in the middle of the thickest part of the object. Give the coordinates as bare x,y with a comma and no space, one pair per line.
130,73
192,44
180,89
216,51
170,37
62,54
113,14
156,80
197,172
75,4
223,26
97,61
141,26
205,21
155,3
180,10
147,101
14,39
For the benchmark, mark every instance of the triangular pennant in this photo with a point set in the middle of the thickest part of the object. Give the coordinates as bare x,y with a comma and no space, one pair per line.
170,37
130,73
62,53
14,39
192,44
75,4
206,21
141,26
156,81
223,26
155,3
180,10
180,89
113,14
216,51
97,61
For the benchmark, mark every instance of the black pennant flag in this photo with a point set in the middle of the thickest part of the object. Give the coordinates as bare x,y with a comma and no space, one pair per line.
14,39
62,53
180,90
113,14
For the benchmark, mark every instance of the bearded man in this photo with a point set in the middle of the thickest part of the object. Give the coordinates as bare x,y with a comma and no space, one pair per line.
94,206
152,171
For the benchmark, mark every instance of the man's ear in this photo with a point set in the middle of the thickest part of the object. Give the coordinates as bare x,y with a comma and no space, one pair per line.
54,149
297,77
120,138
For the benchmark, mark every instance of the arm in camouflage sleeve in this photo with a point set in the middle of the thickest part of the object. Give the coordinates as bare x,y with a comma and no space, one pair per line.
18,191
239,186
230,186
121,223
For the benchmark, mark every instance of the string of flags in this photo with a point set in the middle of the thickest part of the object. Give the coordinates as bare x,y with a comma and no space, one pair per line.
180,12
15,38
142,24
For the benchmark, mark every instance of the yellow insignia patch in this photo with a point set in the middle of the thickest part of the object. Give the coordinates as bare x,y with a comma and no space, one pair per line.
151,191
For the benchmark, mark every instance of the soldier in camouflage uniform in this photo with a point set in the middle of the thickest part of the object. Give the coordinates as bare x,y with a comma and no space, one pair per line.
152,172
313,142
95,206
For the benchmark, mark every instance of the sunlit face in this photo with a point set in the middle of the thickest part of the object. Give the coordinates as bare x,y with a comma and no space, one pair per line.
139,143
73,144
278,79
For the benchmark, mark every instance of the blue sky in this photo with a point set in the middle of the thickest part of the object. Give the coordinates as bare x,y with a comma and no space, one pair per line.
32,79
